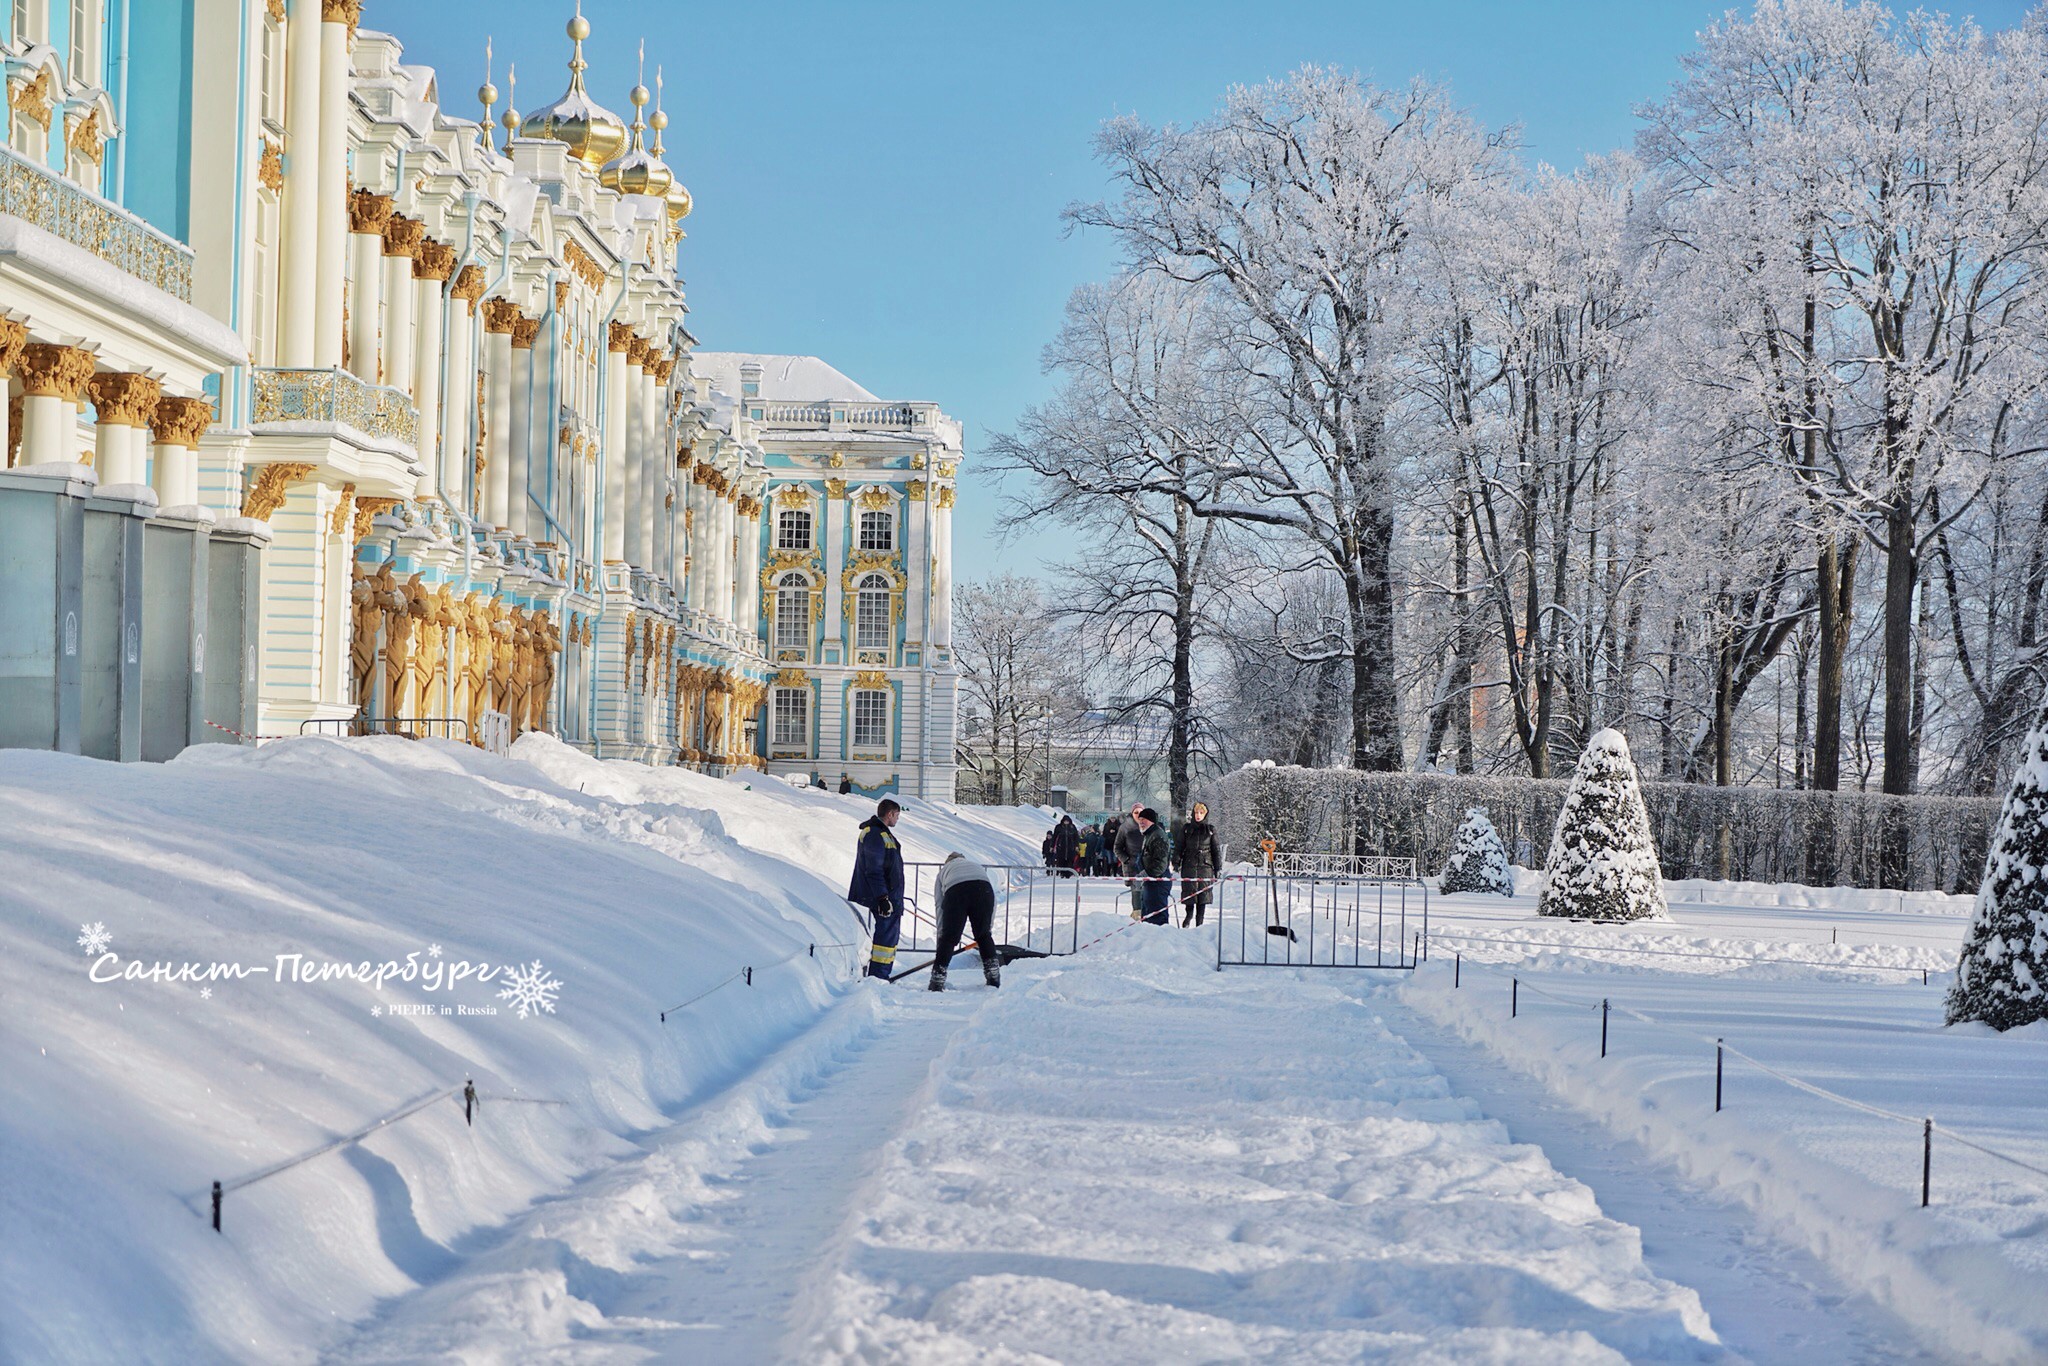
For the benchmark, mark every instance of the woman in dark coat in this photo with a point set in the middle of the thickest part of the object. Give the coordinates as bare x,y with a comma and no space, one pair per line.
1199,858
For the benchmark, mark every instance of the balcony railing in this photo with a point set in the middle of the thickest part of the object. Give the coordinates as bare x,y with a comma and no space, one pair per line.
338,398
78,216
869,416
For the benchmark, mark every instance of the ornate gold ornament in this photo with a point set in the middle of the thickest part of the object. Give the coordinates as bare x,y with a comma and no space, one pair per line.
946,496
31,99
469,286
791,495
436,260
344,510
525,331
915,488
871,680
368,508
54,371
267,492
85,141
792,678
402,236
583,265
835,488
875,499
126,400
917,461
501,315
619,337
368,212
946,468
270,167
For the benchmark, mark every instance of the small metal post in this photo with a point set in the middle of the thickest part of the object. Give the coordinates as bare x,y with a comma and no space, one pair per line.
216,1206
1603,1026
469,1099
1923,977
1514,997
1834,935
750,976
1717,1076
1926,1161
814,950
1457,967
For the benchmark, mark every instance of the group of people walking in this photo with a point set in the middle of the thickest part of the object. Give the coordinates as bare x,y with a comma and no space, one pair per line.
1136,847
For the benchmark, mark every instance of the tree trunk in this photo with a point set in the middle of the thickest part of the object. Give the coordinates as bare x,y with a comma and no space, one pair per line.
1375,700
1724,753
1901,577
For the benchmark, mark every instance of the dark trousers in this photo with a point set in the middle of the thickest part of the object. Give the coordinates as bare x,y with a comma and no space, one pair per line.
967,903
888,929
1194,899
1158,894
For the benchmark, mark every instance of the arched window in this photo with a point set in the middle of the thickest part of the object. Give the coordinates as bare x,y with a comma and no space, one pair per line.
792,612
793,529
870,719
877,531
792,717
871,614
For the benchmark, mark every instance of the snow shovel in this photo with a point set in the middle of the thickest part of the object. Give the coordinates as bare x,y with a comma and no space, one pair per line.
1273,925
1008,953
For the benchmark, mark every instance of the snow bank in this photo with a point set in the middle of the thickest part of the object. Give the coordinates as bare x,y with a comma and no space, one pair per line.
1840,1182
121,1101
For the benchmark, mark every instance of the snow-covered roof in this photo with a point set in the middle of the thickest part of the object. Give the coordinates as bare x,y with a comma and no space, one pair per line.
793,379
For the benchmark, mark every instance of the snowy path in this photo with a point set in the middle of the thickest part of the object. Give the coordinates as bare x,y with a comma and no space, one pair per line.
1769,1301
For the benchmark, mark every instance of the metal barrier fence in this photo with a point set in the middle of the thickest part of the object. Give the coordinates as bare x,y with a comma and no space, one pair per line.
1334,920
1321,921
1379,866
411,727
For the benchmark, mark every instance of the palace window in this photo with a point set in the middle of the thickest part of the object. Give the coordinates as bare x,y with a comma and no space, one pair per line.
871,614
81,17
870,719
20,34
792,530
792,717
877,531
792,613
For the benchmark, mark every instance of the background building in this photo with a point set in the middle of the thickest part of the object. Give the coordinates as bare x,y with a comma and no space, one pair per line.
420,392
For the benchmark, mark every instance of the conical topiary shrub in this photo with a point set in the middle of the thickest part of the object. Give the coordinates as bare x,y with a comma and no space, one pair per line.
2002,977
1603,864
1479,861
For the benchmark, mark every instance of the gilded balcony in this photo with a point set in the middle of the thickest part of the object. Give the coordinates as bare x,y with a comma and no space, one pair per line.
334,402
77,216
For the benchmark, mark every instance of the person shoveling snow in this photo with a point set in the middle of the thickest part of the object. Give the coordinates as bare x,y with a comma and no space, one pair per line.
966,896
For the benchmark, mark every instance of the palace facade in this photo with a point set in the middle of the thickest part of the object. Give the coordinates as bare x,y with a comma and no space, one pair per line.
333,411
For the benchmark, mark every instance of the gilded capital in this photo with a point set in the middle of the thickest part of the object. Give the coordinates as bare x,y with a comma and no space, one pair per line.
368,211
181,421
619,336
124,400
348,12
916,490
54,371
500,315
469,286
267,491
524,331
835,488
402,235
636,352
946,496
661,369
13,336
436,260
561,295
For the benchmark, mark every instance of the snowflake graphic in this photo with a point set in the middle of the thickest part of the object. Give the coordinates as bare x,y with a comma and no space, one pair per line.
530,989
94,938
433,950
376,1010
206,993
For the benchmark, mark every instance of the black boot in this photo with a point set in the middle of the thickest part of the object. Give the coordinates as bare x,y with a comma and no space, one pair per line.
938,978
992,969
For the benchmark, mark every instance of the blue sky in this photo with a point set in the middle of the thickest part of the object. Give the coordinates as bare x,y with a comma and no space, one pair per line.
880,183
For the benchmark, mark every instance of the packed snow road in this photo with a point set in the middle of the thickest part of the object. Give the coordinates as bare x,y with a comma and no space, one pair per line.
1120,1157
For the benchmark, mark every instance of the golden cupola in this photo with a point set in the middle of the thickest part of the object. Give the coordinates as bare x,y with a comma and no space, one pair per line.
679,202
637,170
593,134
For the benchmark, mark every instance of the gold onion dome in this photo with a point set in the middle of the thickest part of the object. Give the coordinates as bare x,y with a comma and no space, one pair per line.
679,202
637,171
592,133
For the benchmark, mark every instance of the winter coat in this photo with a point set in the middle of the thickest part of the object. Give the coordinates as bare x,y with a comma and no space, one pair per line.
1199,855
1155,854
1130,845
877,867
1064,838
956,870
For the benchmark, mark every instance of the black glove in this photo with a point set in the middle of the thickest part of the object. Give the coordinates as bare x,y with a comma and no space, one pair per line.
885,907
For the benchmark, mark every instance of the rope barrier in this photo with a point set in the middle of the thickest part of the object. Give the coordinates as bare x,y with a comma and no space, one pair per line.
1927,1124
746,974
244,735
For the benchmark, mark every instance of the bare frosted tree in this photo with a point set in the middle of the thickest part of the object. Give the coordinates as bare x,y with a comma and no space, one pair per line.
1021,678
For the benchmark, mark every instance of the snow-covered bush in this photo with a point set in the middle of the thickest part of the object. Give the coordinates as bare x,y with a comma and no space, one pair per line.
2002,978
1479,863
1602,864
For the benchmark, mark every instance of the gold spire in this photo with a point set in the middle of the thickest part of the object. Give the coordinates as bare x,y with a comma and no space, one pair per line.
487,95
511,105
638,171
679,201
593,133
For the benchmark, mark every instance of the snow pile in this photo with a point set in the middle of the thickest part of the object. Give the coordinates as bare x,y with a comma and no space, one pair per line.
1135,1158
1479,862
1603,863
315,868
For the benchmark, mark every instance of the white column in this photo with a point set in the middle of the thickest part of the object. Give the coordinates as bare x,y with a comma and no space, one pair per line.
499,316
652,485
942,574
917,549
636,455
331,236
430,269
728,576
123,405
368,215
614,436
401,245
679,534
177,425
750,565
299,227
835,564
53,380
520,518
458,400
547,453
